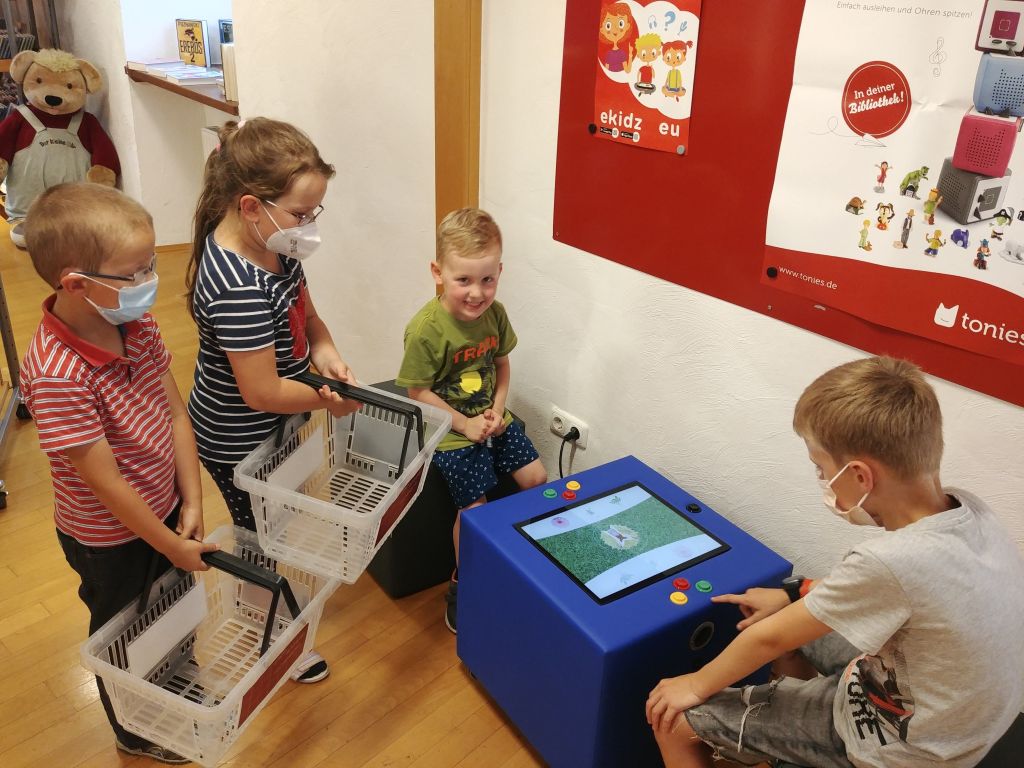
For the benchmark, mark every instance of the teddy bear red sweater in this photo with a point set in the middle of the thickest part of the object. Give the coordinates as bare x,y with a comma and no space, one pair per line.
16,134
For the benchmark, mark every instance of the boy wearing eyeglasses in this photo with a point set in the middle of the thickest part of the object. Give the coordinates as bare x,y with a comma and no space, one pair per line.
97,380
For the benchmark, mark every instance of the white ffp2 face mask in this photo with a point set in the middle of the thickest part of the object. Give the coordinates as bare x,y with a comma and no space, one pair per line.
295,242
856,514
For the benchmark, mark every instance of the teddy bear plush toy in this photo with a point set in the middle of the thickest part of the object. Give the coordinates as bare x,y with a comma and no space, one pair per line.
52,139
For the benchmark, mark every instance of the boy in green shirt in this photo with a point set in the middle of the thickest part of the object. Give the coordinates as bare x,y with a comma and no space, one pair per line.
456,358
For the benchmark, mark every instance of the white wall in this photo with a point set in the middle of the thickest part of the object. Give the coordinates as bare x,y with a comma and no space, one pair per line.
358,78
149,25
696,387
156,133
692,385
168,127
92,30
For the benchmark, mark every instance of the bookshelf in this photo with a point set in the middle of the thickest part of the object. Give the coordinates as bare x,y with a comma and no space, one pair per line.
210,94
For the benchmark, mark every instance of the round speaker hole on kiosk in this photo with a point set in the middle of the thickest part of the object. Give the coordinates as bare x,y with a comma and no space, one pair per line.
702,635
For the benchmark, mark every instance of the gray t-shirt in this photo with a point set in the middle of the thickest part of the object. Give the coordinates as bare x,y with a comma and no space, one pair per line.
938,610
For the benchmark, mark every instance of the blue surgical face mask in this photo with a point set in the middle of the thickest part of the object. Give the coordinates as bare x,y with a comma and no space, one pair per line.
132,302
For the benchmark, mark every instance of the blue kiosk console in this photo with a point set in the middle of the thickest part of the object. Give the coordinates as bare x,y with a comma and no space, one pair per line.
577,597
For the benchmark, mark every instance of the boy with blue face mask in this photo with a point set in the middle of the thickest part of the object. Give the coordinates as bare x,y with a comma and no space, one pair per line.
912,648
110,419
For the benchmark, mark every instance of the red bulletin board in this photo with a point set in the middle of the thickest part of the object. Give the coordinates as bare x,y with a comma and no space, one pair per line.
709,233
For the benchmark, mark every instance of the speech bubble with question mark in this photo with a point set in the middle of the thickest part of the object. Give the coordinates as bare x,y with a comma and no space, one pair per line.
670,17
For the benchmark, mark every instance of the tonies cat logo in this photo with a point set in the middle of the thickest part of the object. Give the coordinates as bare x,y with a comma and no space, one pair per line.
946,316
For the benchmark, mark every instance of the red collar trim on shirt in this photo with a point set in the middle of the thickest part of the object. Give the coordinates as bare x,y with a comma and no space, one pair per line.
93,354
52,121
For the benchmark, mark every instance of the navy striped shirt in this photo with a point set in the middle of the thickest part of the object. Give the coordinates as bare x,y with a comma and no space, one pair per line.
241,307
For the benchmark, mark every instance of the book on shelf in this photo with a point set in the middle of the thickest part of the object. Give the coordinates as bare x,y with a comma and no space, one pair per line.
227,52
161,69
144,66
195,78
182,74
194,43
227,30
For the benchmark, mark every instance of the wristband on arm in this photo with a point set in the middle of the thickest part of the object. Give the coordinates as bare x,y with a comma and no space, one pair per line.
796,587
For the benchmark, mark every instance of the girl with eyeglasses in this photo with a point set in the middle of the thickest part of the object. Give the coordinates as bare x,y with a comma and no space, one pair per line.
254,224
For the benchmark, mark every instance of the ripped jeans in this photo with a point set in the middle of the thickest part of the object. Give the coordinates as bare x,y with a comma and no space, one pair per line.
787,719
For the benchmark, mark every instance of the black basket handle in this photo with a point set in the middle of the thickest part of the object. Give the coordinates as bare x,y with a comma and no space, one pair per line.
275,583
413,413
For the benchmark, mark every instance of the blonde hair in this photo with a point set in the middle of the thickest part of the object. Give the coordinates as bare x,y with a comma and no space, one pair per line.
879,407
466,232
56,60
259,157
80,225
649,40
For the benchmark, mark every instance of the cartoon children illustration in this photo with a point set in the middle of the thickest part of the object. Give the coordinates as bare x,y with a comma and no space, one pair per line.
935,242
908,224
883,169
616,37
910,183
983,253
933,201
886,213
864,236
648,49
674,54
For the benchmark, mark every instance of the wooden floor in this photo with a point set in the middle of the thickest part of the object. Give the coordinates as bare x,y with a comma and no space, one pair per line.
397,695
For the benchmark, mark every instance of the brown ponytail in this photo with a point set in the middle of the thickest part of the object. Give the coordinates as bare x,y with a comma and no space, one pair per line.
257,157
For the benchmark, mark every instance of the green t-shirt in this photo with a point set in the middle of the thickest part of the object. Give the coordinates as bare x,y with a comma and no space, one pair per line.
456,360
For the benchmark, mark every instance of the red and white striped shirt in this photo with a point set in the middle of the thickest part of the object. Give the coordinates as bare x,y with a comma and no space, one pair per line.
79,393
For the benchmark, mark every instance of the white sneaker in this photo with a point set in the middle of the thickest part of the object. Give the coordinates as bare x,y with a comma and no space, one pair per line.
311,669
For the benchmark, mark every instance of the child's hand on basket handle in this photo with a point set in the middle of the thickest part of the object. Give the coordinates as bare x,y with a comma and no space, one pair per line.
337,405
338,369
186,554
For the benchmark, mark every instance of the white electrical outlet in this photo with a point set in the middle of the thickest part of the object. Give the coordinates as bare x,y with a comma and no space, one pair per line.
562,422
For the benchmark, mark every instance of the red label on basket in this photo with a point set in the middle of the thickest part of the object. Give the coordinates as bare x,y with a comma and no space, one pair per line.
277,669
397,507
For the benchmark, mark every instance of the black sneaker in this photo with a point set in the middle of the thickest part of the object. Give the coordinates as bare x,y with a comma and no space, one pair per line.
155,752
451,597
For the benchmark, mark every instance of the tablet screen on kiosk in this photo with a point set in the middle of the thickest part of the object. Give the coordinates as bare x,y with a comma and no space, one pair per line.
619,542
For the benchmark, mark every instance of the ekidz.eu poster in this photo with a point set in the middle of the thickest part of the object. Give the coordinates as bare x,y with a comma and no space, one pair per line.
897,198
645,63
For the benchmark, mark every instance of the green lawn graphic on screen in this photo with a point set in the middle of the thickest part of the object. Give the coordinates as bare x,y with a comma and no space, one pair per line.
592,549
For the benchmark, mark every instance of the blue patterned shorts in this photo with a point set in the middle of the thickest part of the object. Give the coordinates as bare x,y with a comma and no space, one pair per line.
472,471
